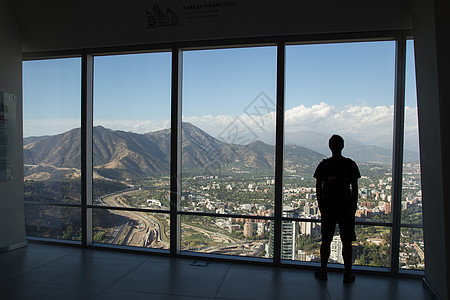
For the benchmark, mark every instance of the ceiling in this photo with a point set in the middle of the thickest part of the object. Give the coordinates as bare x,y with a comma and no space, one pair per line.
69,24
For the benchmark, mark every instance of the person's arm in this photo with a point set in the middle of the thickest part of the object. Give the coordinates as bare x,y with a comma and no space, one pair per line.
319,190
354,185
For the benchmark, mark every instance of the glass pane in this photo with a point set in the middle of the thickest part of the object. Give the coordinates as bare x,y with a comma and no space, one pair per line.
51,130
49,221
411,190
131,147
372,246
301,241
412,255
345,89
227,236
110,193
131,228
228,131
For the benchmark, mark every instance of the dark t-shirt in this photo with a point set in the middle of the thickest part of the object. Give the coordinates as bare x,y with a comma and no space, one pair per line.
336,173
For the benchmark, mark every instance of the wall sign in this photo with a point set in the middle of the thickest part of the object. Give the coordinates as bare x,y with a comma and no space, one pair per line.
7,135
186,12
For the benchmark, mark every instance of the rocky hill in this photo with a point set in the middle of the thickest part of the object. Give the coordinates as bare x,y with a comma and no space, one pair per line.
119,154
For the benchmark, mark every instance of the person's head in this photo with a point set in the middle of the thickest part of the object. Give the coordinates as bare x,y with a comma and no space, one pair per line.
336,143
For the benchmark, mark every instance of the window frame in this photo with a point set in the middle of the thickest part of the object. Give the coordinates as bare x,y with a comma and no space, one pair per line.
175,212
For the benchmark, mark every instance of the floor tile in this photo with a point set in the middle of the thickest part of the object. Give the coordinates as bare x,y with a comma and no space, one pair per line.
42,271
19,290
82,271
121,295
50,249
16,263
177,277
375,287
97,253
260,283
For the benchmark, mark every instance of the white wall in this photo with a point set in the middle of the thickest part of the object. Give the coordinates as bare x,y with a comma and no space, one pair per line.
12,225
433,76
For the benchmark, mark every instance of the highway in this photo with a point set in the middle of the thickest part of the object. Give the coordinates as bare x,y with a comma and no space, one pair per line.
143,231
228,245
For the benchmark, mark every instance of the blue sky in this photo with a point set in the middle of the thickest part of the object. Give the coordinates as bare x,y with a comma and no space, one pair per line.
132,86
344,86
51,88
340,73
224,82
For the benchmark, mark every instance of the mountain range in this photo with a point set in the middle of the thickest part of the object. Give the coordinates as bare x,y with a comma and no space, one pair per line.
120,155
356,150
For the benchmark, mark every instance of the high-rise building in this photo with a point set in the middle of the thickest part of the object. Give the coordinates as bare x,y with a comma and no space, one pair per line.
288,240
261,228
336,250
309,228
288,236
248,229
301,255
387,208
366,204
307,209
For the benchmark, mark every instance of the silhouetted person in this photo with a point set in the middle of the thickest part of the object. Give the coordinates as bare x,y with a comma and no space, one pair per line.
337,196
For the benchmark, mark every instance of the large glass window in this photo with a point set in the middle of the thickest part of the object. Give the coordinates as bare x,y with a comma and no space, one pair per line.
228,114
131,228
131,148
345,89
228,138
51,130
226,236
411,243
228,147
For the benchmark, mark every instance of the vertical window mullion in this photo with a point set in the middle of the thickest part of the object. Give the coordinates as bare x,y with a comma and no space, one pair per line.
175,152
279,152
397,158
86,146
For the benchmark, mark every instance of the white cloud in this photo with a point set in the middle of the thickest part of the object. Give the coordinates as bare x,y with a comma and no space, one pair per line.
363,123
411,129
370,125
137,126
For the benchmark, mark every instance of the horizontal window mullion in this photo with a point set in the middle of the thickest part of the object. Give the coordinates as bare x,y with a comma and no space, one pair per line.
356,222
129,209
53,204
411,225
231,42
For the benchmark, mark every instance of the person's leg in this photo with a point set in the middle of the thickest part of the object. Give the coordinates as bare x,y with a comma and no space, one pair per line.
347,255
327,230
348,234
324,254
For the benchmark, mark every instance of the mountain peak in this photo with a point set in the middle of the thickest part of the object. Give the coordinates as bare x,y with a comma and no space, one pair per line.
119,154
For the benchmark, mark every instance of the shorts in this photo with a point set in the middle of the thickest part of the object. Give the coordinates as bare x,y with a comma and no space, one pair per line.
346,223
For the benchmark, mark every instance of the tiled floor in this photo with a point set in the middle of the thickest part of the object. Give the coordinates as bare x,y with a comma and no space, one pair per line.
42,271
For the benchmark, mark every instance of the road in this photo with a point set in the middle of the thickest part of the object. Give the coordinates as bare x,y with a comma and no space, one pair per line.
228,245
144,230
